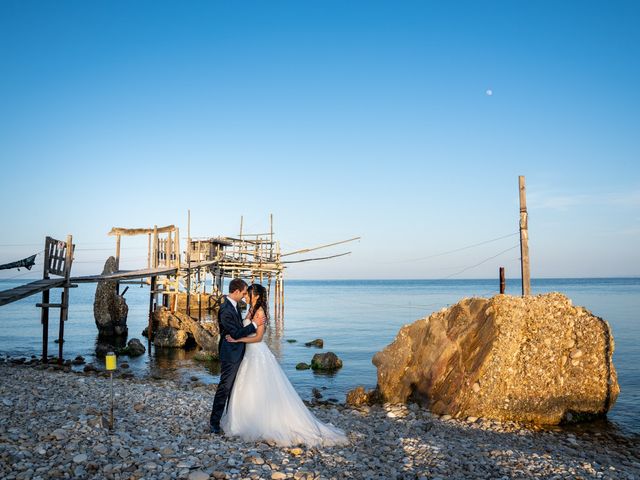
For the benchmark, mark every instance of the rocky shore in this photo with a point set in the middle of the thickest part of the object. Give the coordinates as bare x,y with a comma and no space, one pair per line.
53,425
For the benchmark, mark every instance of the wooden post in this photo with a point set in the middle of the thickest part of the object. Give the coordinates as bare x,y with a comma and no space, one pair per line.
44,313
151,297
241,221
176,250
275,299
64,304
154,261
118,261
502,281
149,251
524,239
282,298
271,234
189,266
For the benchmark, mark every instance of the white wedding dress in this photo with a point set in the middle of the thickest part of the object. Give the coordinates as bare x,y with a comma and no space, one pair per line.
264,405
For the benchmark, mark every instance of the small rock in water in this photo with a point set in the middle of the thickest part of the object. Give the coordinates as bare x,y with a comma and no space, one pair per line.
318,343
303,366
326,361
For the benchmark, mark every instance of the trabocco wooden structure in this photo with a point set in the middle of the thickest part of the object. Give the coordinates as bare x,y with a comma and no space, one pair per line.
169,270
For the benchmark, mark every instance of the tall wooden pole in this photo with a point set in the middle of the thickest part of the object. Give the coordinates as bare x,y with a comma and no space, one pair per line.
189,265
503,283
64,304
118,261
44,313
271,234
524,239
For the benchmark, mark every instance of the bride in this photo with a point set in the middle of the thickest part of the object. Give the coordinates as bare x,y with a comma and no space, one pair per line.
263,403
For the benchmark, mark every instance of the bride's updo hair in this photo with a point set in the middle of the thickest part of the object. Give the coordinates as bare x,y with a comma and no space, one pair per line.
263,300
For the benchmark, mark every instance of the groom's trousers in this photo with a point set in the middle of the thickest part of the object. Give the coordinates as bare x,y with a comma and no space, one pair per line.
227,378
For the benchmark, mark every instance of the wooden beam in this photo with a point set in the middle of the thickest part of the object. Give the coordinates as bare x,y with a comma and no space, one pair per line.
318,258
305,250
524,239
128,232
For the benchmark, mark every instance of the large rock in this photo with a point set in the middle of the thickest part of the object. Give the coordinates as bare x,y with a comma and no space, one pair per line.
170,337
531,359
110,309
205,334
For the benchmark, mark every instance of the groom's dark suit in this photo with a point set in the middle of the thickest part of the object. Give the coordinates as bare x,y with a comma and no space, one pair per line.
230,323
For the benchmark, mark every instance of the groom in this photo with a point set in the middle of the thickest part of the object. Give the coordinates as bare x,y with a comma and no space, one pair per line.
230,323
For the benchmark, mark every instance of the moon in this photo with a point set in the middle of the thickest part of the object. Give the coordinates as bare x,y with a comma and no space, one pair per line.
489,92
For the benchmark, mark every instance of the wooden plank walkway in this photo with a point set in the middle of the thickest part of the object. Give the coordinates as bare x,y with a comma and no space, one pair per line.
126,275
28,289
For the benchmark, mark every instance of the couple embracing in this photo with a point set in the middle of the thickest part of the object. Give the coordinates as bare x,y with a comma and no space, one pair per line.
261,403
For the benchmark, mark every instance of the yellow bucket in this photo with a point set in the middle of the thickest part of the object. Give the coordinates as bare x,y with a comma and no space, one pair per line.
110,361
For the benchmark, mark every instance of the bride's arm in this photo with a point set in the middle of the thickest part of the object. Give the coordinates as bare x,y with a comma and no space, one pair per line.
257,338
259,319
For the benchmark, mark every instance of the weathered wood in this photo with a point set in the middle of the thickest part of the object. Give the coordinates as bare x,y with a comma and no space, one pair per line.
154,262
64,310
502,281
22,291
128,232
318,258
524,239
306,250
152,293
126,275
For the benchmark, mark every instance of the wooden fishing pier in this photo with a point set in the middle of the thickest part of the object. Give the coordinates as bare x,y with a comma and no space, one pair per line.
170,271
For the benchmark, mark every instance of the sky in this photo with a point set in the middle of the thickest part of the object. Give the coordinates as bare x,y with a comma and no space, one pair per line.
404,123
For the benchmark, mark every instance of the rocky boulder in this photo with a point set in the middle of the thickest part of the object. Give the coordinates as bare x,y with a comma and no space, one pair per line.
326,361
205,334
110,310
135,348
530,359
170,337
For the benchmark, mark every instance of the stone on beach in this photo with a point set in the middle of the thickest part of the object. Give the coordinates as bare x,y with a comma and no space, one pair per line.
161,431
533,359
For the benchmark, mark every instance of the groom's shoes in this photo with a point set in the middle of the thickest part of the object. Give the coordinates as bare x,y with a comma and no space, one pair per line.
215,429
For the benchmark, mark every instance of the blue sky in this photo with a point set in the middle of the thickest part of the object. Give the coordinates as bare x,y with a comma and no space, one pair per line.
340,118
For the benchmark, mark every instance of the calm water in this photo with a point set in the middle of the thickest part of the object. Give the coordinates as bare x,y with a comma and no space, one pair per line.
355,318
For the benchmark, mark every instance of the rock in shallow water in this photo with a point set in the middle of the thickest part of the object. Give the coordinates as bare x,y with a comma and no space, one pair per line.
506,358
326,361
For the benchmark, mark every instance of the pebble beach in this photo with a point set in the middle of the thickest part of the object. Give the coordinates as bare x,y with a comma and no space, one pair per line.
54,424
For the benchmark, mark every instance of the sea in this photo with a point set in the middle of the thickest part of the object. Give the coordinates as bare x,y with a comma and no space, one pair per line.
354,318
